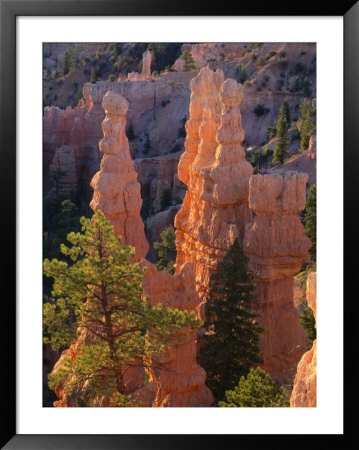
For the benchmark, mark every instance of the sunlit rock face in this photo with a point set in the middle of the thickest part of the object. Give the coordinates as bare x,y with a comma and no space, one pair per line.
116,190
277,246
175,380
215,208
304,392
179,379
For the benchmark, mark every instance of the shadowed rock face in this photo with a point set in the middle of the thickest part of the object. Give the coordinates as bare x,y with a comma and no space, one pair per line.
64,160
304,392
277,247
215,209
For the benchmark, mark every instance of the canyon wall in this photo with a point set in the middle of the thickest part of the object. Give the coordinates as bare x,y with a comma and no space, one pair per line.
304,392
277,247
215,208
157,108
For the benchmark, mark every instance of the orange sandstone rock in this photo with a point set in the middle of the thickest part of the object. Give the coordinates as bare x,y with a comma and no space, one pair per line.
277,247
179,379
176,379
304,392
215,209
116,190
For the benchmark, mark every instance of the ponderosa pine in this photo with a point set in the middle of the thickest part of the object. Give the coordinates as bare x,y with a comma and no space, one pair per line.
96,288
230,346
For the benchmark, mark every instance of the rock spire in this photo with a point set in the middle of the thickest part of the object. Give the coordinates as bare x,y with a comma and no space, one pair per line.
277,247
116,190
215,209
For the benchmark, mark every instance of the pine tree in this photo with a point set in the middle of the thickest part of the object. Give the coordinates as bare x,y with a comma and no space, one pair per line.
68,62
166,250
188,61
281,148
56,176
306,130
307,320
256,390
93,77
305,106
98,290
230,346
286,110
166,196
306,86
147,145
158,55
79,94
310,219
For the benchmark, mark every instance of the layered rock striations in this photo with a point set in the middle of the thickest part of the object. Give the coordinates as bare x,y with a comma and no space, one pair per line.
179,379
176,379
277,247
157,108
116,190
215,208
304,392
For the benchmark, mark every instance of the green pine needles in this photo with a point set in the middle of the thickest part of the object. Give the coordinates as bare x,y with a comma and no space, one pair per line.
310,219
256,390
97,293
230,346
166,250
281,148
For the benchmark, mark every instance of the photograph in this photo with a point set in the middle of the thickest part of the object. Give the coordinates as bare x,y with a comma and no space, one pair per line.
179,224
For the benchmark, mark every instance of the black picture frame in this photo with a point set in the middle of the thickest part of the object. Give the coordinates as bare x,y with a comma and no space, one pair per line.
9,10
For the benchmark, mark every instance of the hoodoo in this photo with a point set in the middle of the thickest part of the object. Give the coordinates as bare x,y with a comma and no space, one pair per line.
176,379
116,190
215,209
277,247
